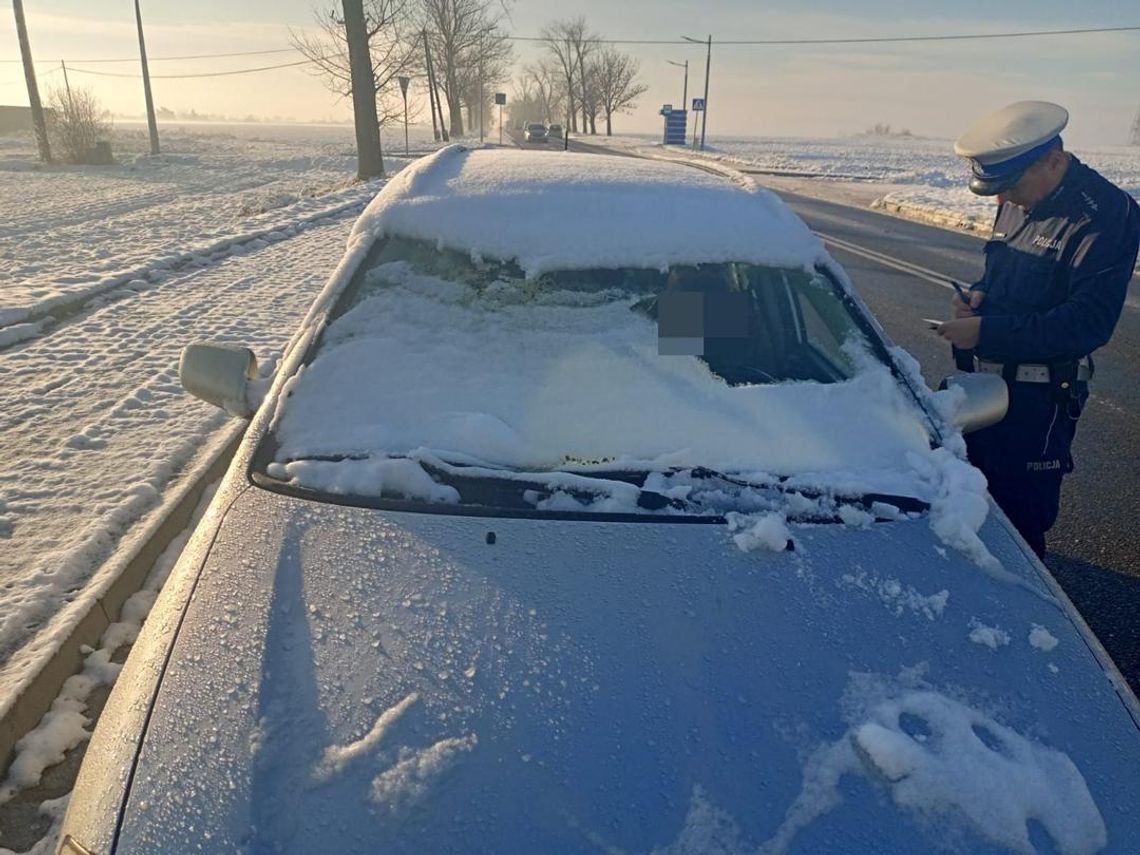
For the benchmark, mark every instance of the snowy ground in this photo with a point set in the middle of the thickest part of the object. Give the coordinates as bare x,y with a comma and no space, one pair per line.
105,273
71,232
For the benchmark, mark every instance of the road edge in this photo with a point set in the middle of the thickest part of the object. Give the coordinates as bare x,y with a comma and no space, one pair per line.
128,571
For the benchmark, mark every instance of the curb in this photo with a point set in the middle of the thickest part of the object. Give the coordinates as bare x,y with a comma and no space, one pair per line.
917,213
128,572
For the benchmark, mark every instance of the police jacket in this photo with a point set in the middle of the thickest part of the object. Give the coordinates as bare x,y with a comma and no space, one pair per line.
1056,276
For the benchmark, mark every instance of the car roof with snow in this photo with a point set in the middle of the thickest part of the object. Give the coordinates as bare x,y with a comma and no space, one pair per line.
566,213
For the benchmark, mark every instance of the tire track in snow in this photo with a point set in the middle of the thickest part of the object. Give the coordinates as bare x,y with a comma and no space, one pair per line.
53,312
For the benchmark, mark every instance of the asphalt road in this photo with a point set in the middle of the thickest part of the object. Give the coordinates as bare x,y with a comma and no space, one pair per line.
900,269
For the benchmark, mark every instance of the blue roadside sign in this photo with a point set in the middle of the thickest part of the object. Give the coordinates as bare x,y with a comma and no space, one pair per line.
698,104
674,127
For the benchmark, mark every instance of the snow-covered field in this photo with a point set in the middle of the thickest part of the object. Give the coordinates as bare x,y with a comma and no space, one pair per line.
914,177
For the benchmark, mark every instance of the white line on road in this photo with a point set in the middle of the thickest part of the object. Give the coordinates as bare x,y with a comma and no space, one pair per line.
914,269
890,261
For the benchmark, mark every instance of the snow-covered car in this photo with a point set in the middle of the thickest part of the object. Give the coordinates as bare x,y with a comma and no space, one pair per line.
535,132
591,510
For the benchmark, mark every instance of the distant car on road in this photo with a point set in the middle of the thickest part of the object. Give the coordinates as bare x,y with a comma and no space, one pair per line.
535,132
555,132
590,510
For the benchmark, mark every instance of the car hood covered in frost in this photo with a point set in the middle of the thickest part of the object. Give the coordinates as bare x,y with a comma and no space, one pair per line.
350,679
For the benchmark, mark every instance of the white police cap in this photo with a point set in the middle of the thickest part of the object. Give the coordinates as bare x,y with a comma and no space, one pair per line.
1002,145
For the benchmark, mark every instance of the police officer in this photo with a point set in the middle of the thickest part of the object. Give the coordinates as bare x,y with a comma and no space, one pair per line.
1057,268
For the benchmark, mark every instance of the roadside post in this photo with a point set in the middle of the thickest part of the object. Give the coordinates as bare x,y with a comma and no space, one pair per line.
404,81
500,99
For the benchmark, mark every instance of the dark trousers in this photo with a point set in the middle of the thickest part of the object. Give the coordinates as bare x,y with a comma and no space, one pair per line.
1026,455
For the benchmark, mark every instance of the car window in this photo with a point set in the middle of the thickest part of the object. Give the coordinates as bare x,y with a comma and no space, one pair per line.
434,360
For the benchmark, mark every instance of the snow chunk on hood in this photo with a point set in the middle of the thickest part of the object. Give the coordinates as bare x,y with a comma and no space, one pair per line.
1041,638
365,477
939,757
769,531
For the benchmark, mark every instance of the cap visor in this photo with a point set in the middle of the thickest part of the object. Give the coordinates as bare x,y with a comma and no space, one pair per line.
993,186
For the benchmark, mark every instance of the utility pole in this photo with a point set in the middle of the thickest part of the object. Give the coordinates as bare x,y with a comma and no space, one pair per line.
30,78
481,99
1136,129
582,80
573,113
434,91
705,111
431,90
152,124
67,86
369,158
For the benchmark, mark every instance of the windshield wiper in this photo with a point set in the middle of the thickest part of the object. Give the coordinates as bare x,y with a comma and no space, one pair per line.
779,484
489,486
506,488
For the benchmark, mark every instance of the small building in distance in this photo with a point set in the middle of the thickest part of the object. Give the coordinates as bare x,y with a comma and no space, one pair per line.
15,119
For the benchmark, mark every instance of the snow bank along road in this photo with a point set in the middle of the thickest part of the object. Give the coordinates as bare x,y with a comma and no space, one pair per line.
96,429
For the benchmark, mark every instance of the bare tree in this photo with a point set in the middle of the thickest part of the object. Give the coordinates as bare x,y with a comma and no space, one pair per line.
549,88
76,122
482,71
393,44
462,32
570,44
369,157
615,83
523,101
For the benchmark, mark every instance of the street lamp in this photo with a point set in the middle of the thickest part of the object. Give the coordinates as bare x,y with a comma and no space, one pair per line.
684,97
708,62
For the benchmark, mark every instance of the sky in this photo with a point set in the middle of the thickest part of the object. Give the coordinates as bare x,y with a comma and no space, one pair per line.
934,89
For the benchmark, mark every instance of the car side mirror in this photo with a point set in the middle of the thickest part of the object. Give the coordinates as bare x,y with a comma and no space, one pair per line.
219,374
986,400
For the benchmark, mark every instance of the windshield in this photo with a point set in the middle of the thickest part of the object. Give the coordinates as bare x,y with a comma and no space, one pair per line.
439,374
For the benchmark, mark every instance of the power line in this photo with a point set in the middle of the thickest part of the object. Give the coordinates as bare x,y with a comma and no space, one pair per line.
172,58
740,42
849,41
185,76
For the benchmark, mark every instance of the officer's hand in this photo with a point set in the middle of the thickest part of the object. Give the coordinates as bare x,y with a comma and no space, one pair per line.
967,310
962,332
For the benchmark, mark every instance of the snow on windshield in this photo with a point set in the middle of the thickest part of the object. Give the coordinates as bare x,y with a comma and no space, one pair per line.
567,211
542,381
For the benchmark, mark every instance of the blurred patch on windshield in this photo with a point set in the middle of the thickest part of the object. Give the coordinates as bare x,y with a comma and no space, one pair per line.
693,323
